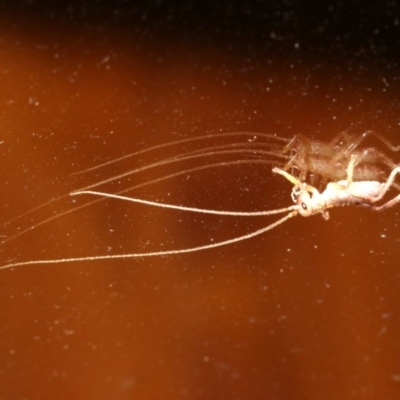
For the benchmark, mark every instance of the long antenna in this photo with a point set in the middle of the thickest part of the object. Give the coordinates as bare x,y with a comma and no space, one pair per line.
156,253
183,208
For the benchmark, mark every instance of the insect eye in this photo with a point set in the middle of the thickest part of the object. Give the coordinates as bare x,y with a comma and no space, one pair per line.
304,206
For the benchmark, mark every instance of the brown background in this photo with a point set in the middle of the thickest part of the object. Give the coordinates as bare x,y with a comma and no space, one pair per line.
309,310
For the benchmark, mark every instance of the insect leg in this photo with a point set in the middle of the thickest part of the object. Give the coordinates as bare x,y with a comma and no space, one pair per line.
389,183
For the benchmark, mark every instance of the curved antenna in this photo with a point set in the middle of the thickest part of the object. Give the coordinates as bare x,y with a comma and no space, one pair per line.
170,176
156,253
178,159
187,140
183,208
183,157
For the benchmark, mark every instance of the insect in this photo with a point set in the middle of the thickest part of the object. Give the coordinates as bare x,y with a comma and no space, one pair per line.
308,201
320,162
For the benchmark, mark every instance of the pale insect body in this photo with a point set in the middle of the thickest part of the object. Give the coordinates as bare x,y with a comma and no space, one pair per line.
309,201
342,193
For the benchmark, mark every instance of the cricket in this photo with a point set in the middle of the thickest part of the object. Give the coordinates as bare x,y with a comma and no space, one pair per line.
323,175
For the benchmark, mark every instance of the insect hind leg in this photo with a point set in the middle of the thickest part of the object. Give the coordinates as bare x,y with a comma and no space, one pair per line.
351,143
387,186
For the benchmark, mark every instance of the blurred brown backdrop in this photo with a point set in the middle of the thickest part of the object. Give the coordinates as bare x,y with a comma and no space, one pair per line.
309,310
